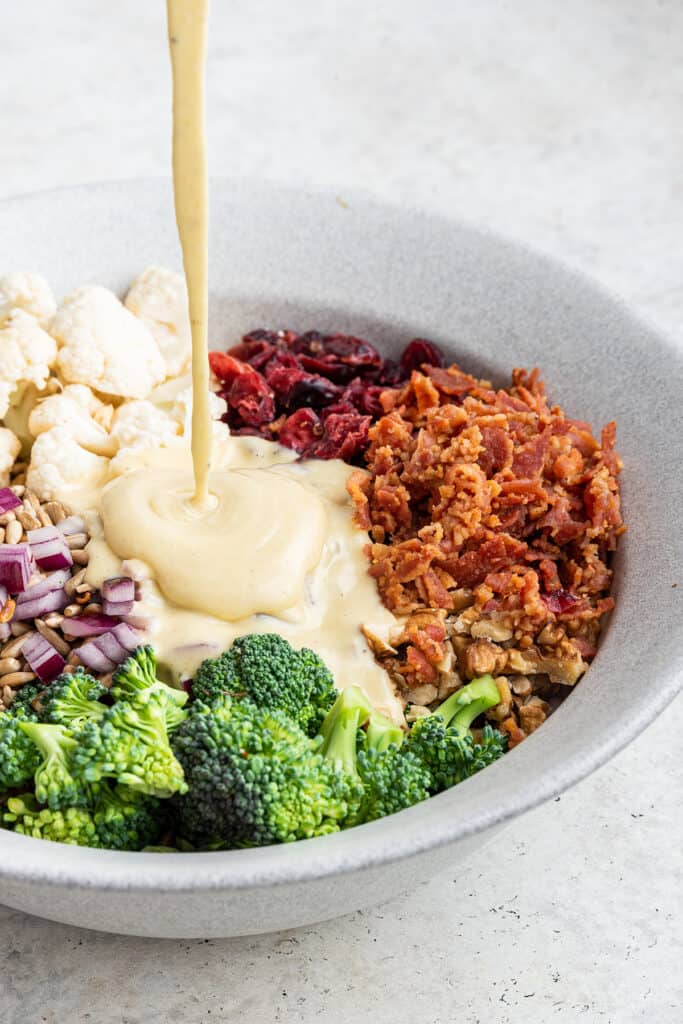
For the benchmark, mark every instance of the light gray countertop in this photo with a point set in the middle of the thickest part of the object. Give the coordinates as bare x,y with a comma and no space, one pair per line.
558,124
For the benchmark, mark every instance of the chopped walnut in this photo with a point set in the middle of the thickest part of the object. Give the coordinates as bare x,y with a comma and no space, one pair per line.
491,629
533,713
481,657
424,694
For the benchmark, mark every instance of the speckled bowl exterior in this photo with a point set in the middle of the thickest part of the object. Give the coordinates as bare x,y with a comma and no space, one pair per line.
293,259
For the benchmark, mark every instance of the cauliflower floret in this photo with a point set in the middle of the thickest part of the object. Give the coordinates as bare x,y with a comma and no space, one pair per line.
181,411
141,424
26,354
10,446
60,467
30,292
103,345
74,410
159,298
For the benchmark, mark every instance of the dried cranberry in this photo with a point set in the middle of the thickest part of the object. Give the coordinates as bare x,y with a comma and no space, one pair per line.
391,374
256,352
344,437
251,398
353,352
363,397
226,367
560,601
300,430
338,356
418,352
312,390
282,370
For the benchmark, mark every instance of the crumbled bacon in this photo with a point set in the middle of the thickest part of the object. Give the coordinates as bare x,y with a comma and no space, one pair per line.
498,492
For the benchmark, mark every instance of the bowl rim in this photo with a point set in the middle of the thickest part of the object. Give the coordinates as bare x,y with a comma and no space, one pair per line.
390,839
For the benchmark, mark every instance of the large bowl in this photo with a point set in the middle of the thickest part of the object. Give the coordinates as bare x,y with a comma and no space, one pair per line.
288,258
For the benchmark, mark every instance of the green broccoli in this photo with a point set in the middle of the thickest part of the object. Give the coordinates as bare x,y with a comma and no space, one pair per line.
56,783
272,674
19,756
255,778
73,825
367,745
136,679
72,699
119,820
25,698
443,742
130,743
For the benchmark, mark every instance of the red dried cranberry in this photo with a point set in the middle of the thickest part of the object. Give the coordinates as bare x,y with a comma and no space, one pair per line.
391,374
363,397
226,367
559,601
300,430
345,435
418,352
338,356
282,370
250,397
312,390
256,352
353,352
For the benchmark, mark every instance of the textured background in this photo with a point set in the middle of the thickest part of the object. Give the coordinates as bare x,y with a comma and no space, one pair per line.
561,126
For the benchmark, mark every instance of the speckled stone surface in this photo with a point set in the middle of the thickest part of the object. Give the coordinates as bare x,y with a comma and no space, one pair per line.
559,127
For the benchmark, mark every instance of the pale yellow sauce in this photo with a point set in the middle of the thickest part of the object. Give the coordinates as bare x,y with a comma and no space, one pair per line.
244,539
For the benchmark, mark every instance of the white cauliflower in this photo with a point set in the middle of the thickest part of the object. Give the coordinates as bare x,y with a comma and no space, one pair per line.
60,467
30,292
10,446
75,409
181,411
141,424
26,354
159,298
103,345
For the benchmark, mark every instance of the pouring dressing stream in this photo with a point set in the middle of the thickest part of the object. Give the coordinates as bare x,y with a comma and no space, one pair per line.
241,537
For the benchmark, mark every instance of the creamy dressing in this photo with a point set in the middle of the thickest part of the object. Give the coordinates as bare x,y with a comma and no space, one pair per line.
244,539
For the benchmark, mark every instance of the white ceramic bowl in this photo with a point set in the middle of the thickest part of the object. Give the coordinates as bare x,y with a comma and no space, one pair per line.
291,259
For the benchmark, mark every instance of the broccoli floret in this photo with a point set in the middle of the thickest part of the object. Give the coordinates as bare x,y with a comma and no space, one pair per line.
19,756
272,674
339,729
25,697
136,679
72,699
255,778
130,743
120,820
126,819
73,825
390,778
443,742
56,783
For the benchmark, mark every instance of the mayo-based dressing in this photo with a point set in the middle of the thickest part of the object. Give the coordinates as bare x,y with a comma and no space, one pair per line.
244,538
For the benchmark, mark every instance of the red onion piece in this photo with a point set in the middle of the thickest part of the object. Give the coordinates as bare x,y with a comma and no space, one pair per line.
3,594
139,621
72,524
16,564
88,625
43,533
92,657
8,500
111,648
55,581
117,608
46,662
126,636
35,608
120,589
52,554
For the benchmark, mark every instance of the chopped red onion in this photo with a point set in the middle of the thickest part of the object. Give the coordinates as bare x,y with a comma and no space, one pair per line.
16,564
52,554
117,608
8,500
43,533
88,625
92,657
139,621
72,524
46,662
111,648
119,589
55,581
35,608
126,636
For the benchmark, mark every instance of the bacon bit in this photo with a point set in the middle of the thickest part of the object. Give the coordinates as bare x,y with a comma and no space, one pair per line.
515,734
